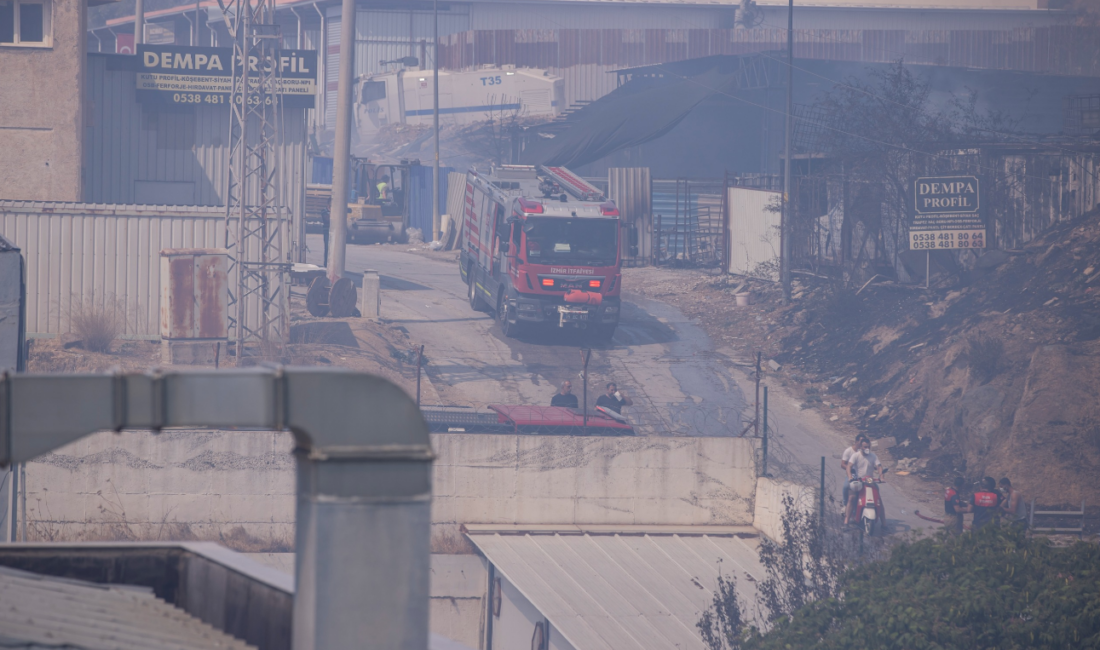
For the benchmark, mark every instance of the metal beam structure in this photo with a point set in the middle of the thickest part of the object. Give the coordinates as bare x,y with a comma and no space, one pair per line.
364,476
257,222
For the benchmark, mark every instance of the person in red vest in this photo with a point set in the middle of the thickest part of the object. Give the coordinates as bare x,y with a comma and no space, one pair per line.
954,507
985,503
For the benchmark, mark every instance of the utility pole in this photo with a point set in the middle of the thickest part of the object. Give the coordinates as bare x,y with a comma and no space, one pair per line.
419,365
764,464
257,222
437,224
341,163
785,223
139,24
585,356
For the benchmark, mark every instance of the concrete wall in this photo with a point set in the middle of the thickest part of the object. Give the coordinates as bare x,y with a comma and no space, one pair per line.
585,480
41,117
237,488
768,507
458,607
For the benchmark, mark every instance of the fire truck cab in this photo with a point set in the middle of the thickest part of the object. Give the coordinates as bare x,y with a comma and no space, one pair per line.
540,247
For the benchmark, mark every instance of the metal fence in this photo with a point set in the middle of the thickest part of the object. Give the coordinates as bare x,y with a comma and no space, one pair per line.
842,220
94,256
688,227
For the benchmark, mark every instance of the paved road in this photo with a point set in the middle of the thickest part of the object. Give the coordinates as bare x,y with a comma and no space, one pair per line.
681,385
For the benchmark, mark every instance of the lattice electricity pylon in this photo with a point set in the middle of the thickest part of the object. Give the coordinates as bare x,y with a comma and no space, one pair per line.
257,223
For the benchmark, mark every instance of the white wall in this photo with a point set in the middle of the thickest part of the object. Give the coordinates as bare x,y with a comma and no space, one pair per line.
238,487
516,624
460,585
754,231
769,509
488,479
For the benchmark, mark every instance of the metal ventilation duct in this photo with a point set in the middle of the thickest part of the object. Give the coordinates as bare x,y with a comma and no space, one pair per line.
364,477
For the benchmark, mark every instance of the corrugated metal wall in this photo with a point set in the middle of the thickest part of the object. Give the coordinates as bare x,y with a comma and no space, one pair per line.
136,153
596,15
386,35
1066,50
1027,191
104,255
631,190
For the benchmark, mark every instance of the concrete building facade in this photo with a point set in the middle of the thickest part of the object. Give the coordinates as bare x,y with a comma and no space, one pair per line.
42,73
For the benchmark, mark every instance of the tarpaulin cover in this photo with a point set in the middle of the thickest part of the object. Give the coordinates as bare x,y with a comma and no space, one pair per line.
640,110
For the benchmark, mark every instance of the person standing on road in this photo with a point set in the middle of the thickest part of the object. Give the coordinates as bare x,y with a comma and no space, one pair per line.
1014,506
954,507
985,503
860,465
844,458
614,399
564,396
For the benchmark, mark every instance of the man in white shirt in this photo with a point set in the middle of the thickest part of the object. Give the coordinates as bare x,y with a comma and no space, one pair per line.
860,465
844,465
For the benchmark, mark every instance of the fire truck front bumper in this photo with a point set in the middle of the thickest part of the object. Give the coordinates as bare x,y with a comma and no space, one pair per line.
556,312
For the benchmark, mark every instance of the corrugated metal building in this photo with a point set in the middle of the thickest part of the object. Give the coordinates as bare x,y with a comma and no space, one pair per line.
152,154
582,41
611,590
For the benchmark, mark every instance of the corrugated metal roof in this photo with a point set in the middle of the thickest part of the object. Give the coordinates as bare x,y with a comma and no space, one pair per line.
622,591
40,611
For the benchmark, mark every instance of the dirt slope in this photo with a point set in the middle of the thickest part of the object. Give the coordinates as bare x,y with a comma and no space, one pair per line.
993,371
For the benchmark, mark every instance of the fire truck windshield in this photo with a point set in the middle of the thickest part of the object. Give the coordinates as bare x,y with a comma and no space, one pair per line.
587,242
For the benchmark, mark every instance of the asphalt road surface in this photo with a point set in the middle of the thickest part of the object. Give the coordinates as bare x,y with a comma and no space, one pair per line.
681,385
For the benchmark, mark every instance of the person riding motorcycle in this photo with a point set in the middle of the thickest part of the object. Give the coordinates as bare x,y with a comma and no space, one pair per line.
860,466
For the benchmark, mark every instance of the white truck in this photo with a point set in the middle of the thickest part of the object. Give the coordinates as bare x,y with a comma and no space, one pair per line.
490,92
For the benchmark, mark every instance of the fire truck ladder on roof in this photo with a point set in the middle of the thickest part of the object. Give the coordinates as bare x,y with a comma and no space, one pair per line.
257,222
574,184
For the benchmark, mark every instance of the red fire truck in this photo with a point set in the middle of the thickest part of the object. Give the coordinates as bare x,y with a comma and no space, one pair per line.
540,247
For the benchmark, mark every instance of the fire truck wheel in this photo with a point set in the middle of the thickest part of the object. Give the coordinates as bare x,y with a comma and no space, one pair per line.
508,327
476,303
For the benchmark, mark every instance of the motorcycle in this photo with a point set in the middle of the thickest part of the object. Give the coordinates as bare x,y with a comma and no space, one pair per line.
872,512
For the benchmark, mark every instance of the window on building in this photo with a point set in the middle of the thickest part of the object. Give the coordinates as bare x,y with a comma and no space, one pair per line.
25,22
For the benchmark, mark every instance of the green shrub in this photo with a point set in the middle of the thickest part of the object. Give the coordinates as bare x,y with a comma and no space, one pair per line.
993,588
